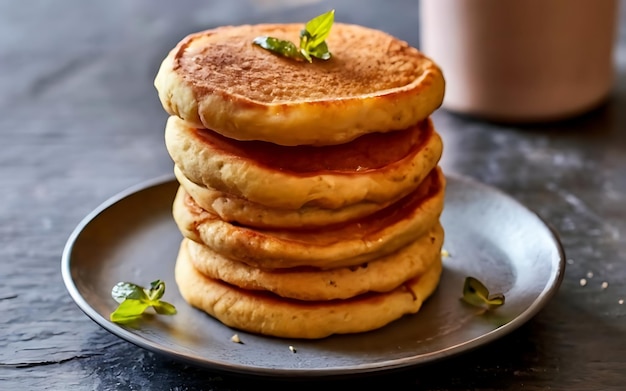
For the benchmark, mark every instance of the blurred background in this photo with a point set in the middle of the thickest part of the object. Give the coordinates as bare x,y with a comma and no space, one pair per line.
80,121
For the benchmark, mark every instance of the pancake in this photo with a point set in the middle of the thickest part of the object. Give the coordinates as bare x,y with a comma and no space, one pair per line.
218,79
329,247
268,314
373,168
243,212
381,275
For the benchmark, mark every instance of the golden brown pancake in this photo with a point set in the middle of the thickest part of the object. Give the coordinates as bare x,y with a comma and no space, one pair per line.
218,79
305,283
373,168
268,314
240,211
347,244
310,193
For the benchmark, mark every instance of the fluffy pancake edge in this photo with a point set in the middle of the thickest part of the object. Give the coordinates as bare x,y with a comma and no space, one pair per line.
268,250
269,315
380,275
236,209
208,167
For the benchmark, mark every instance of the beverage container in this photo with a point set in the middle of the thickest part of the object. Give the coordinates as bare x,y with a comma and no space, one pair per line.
521,60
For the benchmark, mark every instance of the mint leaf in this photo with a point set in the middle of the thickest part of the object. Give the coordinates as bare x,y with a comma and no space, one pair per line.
306,55
312,40
279,46
126,290
157,289
317,30
135,300
477,294
129,310
164,308
321,52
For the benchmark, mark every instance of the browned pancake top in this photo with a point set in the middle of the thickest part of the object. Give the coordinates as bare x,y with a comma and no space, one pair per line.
364,61
371,151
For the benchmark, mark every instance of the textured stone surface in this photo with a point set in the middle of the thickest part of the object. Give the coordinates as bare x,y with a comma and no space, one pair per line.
80,121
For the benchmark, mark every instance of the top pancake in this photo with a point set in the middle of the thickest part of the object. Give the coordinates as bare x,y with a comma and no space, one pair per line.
219,80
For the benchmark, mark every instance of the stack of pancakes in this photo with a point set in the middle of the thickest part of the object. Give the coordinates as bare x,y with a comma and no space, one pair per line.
310,194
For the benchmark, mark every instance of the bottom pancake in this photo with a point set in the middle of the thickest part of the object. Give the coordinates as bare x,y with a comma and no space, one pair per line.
307,283
268,314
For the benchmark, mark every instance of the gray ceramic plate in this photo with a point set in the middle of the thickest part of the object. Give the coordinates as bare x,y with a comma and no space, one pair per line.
132,237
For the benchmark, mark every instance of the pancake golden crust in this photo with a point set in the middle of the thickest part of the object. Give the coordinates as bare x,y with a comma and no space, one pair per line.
381,275
268,314
238,210
219,80
373,168
341,245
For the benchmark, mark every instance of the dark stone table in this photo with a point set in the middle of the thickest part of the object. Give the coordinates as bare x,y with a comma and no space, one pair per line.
80,121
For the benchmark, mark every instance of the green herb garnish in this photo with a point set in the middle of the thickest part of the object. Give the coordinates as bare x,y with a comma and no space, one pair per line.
312,40
477,294
134,300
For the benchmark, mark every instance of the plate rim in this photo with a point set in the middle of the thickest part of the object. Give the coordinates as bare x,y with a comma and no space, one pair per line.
547,293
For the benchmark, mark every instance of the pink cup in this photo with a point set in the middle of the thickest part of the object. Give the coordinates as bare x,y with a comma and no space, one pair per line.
521,60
